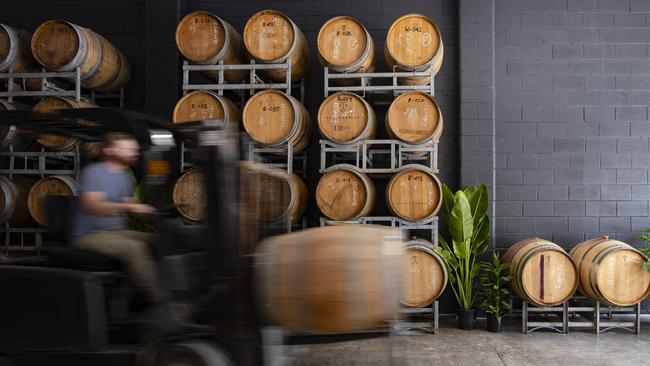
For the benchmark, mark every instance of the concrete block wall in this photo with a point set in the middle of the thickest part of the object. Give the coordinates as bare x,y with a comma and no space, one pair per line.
572,128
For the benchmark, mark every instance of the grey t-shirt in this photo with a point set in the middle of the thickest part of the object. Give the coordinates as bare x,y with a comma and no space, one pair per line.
116,185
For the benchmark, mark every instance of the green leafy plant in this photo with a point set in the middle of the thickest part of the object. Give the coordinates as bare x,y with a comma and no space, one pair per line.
494,287
646,237
469,228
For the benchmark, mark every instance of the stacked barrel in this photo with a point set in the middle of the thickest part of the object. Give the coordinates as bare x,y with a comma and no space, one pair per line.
345,193
271,118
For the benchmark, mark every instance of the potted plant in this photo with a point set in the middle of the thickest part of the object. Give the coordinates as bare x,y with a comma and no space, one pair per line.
469,228
646,251
494,292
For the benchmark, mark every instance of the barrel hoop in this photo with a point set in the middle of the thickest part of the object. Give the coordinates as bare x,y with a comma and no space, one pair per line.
524,259
13,49
100,55
9,138
226,43
81,52
296,37
600,257
297,112
6,187
579,262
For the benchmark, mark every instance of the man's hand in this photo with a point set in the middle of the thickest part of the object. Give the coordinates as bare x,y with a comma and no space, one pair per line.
141,208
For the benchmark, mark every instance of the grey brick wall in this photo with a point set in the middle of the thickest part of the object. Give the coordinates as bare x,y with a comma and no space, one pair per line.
572,127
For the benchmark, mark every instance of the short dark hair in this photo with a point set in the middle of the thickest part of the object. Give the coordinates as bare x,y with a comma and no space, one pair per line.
112,137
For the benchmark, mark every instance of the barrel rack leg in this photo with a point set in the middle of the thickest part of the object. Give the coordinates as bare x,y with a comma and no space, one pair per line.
273,346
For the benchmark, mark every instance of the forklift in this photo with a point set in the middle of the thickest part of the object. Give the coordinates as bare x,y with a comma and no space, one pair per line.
74,307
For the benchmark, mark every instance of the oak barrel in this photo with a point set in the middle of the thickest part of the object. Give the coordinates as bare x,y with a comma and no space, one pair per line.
414,43
273,118
189,195
203,105
16,55
344,193
334,279
414,194
59,45
425,274
610,271
414,117
542,272
205,39
344,45
10,134
346,118
14,195
271,38
51,104
283,195
55,185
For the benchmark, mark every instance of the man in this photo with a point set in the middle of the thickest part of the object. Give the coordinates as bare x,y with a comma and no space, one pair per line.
106,197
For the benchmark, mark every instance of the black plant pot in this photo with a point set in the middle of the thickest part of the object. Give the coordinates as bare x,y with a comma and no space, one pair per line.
466,319
494,324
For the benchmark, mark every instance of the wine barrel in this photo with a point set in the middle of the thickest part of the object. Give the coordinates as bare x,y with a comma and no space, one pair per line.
344,45
346,118
542,272
273,118
334,279
205,39
414,43
425,274
55,185
189,195
50,104
16,55
10,134
202,105
610,271
414,194
344,193
13,201
414,117
63,46
271,38
283,196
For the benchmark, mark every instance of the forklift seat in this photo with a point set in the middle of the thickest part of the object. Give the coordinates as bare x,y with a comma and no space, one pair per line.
60,211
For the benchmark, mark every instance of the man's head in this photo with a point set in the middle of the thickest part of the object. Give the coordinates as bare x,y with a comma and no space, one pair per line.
121,148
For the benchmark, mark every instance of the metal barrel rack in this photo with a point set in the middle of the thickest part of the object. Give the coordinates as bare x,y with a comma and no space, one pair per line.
581,313
42,163
376,82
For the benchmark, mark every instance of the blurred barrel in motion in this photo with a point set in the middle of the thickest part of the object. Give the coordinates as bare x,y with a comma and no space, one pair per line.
51,104
189,195
63,46
16,55
273,118
283,196
10,134
414,194
414,43
202,105
425,274
334,279
414,117
271,38
542,272
346,118
13,201
610,271
344,45
55,185
205,39
344,193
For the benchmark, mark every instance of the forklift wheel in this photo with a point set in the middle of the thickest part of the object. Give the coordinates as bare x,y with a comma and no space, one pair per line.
192,353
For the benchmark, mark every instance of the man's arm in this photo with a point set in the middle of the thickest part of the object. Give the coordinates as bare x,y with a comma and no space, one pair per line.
95,203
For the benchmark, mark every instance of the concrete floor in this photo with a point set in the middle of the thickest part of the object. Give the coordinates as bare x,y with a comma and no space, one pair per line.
456,347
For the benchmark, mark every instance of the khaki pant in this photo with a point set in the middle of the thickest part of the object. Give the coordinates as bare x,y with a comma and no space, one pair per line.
129,247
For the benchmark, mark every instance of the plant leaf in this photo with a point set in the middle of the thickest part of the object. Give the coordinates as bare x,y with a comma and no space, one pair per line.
447,203
478,201
461,225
